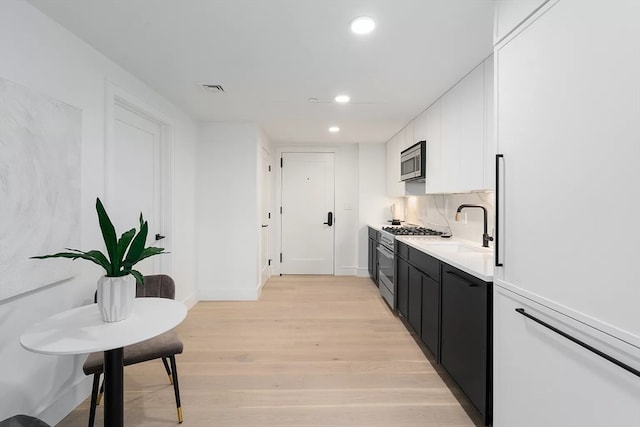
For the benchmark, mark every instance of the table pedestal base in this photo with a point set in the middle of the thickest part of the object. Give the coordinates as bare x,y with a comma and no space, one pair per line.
114,388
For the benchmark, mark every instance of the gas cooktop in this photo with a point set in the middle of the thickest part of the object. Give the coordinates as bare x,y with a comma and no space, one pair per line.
412,231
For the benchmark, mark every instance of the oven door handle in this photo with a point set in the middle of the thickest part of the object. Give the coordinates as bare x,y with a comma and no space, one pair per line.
386,252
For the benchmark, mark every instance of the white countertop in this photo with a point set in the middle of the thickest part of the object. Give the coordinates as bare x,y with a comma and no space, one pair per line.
469,257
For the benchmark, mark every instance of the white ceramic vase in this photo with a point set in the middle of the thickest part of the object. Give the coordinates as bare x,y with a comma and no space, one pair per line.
116,296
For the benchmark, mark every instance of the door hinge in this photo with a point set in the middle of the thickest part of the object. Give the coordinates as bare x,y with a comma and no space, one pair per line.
269,168
280,210
269,262
281,162
281,257
269,215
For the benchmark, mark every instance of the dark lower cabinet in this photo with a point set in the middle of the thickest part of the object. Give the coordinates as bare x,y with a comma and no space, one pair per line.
430,332
373,255
418,293
465,345
402,287
450,311
415,300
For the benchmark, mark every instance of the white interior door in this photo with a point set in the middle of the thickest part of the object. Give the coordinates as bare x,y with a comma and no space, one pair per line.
265,247
134,178
307,202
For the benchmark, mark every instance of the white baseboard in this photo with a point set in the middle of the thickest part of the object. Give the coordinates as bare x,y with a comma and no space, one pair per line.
345,271
66,402
363,272
190,300
340,271
228,294
259,288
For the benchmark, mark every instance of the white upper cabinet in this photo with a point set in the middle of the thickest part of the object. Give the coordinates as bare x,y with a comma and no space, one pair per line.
395,187
471,151
456,130
489,126
511,13
450,140
406,137
435,176
420,127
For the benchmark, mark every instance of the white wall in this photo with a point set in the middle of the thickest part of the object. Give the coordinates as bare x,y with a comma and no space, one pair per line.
229,211
373,202
36,52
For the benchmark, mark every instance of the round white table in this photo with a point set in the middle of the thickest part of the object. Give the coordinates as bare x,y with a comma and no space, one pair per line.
82,330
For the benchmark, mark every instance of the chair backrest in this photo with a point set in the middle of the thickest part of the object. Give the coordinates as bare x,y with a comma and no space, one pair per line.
158,286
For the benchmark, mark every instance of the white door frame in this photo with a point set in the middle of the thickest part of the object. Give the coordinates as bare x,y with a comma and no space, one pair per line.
266,154
116,96
277,232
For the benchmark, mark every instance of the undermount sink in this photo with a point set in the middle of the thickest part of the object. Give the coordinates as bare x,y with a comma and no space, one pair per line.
467,255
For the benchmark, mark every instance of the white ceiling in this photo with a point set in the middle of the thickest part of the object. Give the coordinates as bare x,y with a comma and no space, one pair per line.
272,55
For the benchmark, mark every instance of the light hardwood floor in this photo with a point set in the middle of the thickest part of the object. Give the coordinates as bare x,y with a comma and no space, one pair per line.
314,351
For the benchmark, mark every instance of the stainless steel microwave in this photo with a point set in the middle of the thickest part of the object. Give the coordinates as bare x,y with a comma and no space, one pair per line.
413,162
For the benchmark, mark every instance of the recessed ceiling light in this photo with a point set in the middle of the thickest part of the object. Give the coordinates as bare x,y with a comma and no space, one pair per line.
362,25
334,129
342,99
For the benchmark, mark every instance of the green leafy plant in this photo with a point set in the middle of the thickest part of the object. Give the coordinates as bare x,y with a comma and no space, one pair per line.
122,253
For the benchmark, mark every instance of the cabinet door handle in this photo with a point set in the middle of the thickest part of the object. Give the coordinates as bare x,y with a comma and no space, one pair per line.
580,343
463,280
496,251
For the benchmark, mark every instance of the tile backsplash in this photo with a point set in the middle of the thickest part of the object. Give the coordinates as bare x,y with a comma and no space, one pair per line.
438,211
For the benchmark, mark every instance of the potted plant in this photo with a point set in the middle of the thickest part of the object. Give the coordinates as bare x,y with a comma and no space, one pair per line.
117,288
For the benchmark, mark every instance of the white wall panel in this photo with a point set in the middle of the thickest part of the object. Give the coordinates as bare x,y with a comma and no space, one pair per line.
37,53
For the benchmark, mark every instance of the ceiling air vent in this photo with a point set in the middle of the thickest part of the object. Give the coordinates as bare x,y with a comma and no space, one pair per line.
213,88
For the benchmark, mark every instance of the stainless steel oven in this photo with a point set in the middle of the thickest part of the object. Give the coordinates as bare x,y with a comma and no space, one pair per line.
386,267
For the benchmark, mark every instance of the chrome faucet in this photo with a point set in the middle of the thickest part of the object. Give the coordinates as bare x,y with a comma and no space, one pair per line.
485,236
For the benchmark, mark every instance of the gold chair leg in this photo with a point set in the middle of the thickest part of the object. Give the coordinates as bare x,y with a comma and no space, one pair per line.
179,415
100,393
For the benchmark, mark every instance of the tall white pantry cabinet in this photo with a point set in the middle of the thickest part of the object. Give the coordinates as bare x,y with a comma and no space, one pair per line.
568,205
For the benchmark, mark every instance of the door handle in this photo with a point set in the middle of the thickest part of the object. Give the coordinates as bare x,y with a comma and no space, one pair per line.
580,343
496,249
159,236
463,280
329,219
265,225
